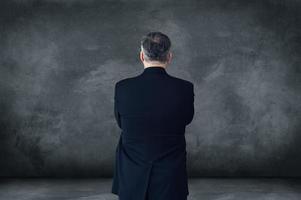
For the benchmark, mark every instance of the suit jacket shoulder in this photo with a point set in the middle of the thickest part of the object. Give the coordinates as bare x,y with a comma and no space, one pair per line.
183,81
125,80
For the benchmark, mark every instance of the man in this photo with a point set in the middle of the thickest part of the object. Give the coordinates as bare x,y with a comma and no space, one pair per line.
152,109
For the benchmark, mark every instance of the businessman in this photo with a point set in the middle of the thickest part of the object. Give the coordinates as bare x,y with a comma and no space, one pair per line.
152,109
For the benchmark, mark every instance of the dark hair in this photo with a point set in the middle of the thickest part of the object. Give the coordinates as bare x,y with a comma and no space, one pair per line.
155,46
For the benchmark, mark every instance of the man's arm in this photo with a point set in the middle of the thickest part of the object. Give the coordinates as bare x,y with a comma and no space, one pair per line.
190,105
116,112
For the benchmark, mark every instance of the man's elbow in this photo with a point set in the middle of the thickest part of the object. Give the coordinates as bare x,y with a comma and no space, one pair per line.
190,117
118,120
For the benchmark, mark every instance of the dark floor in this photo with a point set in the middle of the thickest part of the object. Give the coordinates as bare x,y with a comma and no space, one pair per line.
199,189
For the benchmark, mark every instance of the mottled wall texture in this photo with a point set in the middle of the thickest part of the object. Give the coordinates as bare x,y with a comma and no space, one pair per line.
59,61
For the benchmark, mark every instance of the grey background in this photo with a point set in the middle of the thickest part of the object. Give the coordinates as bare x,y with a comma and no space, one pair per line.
59,61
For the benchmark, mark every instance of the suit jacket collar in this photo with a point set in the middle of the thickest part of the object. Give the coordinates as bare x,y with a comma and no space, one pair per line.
154,70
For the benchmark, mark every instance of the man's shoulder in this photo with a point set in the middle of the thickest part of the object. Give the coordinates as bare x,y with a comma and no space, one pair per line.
182,81
134,80
125,81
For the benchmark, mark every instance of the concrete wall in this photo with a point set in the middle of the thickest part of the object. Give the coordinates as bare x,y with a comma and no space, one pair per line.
59,61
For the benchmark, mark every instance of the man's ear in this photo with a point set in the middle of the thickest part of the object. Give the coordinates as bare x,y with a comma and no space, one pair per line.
141,56
169,57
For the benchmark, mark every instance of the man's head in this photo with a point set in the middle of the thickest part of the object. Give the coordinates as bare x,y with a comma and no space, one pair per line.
155,49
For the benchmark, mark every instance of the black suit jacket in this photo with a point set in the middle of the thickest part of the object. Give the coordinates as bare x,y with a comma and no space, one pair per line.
152,110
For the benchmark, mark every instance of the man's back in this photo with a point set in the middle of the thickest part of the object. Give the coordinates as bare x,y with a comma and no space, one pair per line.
152,109
154,103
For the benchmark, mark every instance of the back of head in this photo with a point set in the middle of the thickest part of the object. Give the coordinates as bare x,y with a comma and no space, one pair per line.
155,46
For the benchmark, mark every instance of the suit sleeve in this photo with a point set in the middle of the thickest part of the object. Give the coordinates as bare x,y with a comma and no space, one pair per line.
116,111
190,105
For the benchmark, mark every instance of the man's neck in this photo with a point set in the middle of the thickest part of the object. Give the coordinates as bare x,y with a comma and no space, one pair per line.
154,64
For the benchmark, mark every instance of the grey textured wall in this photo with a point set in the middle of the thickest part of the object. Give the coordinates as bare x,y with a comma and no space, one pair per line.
59,61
